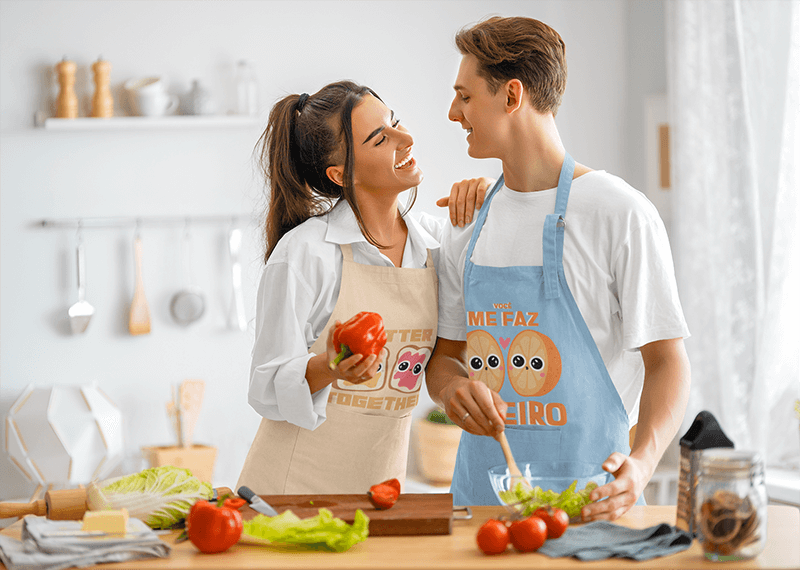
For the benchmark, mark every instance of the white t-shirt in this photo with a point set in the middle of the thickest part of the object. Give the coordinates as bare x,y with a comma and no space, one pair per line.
296,296
617,261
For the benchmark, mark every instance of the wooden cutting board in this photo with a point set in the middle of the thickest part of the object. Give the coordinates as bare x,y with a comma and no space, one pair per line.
412,514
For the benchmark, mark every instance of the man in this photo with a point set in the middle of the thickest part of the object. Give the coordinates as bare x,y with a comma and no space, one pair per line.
559,318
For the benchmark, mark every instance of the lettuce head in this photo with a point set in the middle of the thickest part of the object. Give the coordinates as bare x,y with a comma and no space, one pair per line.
160,496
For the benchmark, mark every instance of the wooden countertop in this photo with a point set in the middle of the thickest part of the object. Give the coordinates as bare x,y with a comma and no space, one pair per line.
459,551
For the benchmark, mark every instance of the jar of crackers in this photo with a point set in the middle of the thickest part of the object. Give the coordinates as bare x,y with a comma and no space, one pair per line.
732,504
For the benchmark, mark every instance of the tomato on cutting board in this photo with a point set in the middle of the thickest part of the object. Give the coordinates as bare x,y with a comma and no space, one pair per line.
384,495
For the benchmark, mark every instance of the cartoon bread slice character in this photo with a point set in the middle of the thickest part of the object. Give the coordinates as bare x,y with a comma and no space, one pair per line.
485,359
534,364
408,368
374,383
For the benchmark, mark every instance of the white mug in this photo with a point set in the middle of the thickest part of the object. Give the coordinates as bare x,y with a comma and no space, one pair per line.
150,98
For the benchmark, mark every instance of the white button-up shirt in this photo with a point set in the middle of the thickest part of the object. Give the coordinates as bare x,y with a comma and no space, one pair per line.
297,293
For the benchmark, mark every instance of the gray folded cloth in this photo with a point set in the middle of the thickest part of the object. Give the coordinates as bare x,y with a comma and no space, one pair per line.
44,546
601,539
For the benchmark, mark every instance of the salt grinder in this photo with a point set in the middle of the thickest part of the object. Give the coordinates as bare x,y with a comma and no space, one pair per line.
102,102
704,433
67,101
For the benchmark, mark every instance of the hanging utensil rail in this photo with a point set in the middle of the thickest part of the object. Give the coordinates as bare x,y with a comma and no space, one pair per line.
141,221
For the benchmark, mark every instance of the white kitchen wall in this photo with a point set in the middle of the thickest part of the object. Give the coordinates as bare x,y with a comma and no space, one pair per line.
404,50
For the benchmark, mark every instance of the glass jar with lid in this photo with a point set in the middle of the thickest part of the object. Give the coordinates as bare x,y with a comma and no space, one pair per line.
731,504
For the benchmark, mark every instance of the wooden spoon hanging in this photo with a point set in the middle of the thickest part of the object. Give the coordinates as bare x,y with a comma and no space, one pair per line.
139,319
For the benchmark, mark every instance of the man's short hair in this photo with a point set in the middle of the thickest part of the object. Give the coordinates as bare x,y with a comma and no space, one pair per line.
519,48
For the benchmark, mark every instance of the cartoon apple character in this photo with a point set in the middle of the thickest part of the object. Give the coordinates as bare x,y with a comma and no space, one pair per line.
408,368
534,364
485,359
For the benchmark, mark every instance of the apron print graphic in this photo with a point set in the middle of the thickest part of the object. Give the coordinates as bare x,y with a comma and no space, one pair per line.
532,364
374,383
485,359
408,368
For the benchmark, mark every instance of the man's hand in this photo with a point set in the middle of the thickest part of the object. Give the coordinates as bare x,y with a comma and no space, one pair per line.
465,197
473,406
469,403
631,479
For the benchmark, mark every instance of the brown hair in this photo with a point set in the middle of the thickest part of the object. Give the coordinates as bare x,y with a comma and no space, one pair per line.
519,48
304,136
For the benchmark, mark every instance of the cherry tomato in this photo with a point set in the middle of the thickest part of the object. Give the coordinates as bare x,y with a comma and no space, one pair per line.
493,537
528,534
556,520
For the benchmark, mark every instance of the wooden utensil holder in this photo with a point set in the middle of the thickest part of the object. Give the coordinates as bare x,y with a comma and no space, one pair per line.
199,459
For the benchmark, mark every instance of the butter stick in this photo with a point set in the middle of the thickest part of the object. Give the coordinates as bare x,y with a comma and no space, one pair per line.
110,522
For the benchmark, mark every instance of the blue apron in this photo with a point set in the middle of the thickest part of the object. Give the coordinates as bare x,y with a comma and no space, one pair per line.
527,340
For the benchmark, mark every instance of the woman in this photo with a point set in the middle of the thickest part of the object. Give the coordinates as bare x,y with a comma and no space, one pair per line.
338,244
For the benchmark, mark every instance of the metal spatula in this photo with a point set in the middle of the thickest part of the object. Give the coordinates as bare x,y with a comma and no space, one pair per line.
81,312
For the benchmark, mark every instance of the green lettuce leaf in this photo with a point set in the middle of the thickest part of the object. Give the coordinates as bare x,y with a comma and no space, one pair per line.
324,529
570,500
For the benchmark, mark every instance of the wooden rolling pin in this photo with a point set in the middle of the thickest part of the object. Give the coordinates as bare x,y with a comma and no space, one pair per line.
60,505
63,505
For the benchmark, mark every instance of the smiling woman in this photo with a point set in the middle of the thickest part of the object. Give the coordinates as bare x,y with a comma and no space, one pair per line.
337,244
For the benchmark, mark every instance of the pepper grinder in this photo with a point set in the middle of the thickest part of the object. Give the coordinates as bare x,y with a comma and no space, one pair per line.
102,102
67,101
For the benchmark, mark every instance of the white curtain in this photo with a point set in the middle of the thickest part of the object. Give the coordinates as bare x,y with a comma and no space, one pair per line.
734,98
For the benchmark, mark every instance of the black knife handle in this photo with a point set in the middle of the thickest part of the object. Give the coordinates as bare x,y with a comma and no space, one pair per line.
246,493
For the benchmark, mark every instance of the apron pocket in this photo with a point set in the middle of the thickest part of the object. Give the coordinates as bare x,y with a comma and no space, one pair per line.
534,443
348,453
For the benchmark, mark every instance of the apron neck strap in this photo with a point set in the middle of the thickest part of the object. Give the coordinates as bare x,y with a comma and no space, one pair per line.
564,184
479,221
553,233
347,251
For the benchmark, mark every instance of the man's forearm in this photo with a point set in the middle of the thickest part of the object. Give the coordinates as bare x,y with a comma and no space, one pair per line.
664,397
445,366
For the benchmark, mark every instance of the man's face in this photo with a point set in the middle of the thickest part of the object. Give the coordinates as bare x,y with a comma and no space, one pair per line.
482,114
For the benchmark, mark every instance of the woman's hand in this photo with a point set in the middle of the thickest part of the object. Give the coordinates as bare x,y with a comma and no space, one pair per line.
465,197
350,369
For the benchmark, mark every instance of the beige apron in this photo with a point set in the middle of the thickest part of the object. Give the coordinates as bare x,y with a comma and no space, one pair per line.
365,438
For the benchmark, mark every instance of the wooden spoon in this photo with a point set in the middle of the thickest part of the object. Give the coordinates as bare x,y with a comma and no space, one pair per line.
139,319
513,470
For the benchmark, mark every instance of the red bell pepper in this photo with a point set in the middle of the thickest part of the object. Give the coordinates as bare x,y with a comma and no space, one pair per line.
363,334
215,527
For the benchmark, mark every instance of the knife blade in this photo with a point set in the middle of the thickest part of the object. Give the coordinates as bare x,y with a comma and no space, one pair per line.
256,503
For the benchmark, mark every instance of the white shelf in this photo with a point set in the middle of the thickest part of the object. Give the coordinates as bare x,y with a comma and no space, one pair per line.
149,123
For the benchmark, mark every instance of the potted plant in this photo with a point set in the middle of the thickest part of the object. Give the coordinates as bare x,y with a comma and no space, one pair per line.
437,444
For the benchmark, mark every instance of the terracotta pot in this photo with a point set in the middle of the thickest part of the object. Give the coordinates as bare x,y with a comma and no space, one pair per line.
437,445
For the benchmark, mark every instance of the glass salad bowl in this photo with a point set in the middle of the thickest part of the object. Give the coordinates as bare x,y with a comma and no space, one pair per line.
567,486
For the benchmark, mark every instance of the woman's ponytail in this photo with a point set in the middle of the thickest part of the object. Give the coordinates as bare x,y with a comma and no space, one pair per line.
304,134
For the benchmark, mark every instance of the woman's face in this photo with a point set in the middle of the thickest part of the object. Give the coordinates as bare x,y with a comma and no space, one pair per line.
383,163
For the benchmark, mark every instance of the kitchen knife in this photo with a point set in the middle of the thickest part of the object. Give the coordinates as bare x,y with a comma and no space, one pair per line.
256,503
